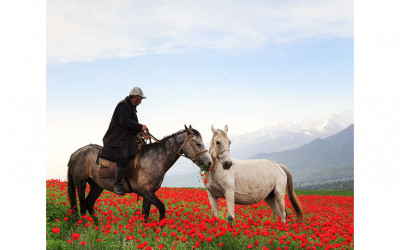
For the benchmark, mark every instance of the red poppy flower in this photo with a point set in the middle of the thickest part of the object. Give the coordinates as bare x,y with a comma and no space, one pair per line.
75,236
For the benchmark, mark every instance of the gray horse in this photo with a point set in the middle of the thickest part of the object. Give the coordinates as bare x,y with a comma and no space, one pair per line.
145,179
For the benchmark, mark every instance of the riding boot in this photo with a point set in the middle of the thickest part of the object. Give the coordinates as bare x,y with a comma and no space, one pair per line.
119,174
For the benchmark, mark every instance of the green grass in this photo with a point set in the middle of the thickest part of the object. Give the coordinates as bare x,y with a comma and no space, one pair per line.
319,192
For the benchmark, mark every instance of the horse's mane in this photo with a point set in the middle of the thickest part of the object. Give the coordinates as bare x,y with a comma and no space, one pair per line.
211,150
196,133
156,145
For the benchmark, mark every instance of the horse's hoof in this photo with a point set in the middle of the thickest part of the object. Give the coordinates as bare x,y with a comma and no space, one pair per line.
230,219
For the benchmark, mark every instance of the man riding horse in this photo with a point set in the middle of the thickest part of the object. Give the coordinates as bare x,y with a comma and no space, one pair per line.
120,138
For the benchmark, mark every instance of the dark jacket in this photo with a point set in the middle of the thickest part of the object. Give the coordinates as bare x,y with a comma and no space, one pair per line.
124,126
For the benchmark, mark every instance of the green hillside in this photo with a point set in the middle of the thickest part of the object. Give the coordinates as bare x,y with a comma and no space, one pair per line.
321,160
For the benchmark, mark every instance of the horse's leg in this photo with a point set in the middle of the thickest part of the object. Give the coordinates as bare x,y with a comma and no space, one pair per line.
146,208
280,199
71,191
95,191
230,203
153,199
273,204
81,188
214,203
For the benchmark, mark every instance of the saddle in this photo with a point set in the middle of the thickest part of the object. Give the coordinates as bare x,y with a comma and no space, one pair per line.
108,161
108,166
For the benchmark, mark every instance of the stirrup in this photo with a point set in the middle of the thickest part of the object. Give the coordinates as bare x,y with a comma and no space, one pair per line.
118,189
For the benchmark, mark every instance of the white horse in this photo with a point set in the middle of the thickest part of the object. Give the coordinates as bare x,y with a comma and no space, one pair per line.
246,182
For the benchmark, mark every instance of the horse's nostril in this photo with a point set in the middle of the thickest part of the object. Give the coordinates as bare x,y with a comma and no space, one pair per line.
228,164
209,164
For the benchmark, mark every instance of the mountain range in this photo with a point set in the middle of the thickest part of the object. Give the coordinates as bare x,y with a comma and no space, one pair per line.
289,135
321,160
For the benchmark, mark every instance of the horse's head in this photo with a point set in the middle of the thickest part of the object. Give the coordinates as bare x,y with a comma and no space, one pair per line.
220,147
194,148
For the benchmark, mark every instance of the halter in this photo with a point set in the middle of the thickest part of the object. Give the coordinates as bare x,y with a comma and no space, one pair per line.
187,139
224,151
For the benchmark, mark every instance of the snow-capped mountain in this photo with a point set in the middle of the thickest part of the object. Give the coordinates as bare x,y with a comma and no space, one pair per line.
289,135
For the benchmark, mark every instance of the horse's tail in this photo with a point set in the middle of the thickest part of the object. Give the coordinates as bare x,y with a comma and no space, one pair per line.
71,190
292,196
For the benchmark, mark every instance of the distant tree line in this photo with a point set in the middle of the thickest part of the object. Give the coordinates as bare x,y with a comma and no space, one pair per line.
347,185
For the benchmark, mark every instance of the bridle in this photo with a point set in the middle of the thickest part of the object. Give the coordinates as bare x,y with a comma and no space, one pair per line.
187,139
198,153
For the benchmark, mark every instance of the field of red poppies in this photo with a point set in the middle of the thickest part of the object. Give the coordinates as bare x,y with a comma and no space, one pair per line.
118,223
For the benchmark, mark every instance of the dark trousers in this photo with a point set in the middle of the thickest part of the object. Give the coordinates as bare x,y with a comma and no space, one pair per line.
122,157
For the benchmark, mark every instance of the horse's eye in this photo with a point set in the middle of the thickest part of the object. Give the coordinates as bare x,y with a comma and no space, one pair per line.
198,145
217,142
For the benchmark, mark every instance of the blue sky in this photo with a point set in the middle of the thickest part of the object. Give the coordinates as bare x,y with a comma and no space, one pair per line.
325,68
247,65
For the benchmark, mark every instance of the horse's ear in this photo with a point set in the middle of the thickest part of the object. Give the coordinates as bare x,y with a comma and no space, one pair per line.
213,130
190,126
188,130
226,129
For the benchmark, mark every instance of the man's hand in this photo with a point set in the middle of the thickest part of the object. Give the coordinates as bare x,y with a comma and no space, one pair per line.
146,136
145,129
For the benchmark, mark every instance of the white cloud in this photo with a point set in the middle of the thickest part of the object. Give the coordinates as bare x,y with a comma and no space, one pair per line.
90,30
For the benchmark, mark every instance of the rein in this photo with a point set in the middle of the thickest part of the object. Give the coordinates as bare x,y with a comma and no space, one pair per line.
187,139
